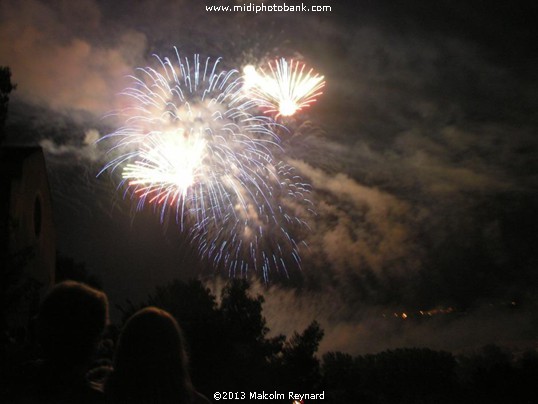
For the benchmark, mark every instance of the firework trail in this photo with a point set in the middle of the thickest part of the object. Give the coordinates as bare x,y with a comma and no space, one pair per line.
192,147
286,89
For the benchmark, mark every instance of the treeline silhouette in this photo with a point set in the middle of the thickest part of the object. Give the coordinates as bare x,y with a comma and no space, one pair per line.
229,346
230,350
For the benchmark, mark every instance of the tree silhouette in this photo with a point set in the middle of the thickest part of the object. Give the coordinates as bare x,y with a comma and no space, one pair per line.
248,348
195,308
227,342
416,375
526,369
230,350
489,375
342,379
300,365
408,375
243,313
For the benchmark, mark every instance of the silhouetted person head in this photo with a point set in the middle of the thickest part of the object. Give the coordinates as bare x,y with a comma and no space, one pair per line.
70,323
150,365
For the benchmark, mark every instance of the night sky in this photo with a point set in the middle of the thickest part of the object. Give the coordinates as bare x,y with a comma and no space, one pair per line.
422,156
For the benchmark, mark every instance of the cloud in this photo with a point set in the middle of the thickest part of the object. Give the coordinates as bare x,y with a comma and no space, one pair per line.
360,328
420,150
358,228
54,64
463,332
87,152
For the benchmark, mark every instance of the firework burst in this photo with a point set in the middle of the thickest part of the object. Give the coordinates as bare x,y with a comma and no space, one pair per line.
192,147
286,89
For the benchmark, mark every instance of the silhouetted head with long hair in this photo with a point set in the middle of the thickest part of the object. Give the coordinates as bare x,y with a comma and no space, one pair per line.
70,323
151,364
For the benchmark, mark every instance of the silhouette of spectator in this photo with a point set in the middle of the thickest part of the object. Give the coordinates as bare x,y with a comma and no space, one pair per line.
151,365
70,322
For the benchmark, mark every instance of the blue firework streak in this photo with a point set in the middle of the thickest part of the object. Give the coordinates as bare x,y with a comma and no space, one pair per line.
193,147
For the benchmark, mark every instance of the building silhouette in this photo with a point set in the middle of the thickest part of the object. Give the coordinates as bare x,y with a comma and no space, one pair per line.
27,235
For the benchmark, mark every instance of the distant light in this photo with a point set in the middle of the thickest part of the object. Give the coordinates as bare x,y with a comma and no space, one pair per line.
404,316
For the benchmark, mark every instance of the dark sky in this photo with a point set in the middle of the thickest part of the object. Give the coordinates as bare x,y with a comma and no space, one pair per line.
422,155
